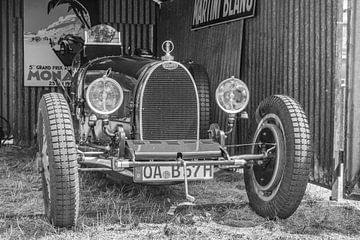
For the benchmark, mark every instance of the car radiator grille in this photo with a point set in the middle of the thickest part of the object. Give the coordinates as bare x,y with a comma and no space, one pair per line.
169,108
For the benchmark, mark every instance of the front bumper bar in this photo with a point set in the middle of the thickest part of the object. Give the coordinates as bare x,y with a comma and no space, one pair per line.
116,164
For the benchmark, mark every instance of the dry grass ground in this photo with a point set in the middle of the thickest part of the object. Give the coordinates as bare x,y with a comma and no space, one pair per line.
110,211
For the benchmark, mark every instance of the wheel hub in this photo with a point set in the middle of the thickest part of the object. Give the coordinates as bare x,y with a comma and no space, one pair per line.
268,172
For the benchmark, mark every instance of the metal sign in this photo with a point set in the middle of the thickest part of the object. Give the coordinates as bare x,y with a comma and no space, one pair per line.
213,12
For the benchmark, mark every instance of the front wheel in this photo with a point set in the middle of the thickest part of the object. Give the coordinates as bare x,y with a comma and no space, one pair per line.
275,186
58,160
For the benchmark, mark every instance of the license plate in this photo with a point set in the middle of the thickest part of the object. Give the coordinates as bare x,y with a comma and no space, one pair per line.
172,173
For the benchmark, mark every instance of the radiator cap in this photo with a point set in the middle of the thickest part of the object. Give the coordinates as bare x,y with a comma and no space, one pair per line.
167,47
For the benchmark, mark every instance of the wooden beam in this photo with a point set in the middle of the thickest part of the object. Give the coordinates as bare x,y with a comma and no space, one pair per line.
352,164
340,104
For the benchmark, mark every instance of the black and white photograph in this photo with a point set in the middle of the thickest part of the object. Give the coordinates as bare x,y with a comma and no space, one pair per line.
180,119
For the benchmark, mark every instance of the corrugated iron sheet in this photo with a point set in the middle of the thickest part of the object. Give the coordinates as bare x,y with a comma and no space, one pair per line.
19,104
288,48
217,48
135,19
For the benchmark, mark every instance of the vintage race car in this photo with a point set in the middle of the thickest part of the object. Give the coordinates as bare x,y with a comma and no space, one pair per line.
148,119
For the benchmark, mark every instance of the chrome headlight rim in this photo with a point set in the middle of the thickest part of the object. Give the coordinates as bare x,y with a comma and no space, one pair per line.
104,79
243,85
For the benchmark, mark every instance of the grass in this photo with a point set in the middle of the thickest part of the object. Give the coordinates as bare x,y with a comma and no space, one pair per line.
111,211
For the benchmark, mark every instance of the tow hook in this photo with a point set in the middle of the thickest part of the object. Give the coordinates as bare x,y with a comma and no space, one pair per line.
188,196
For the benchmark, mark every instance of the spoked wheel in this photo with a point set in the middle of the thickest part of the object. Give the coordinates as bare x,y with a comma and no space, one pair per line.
275,186
57,160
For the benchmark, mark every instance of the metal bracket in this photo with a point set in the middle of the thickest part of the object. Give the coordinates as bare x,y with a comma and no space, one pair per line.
216,134
121,136
343,83
188,196
338,186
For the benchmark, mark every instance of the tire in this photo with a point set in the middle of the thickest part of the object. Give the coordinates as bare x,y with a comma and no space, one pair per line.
59,169
276,187
203,87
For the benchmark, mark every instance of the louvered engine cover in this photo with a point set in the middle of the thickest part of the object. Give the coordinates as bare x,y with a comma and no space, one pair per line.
170,105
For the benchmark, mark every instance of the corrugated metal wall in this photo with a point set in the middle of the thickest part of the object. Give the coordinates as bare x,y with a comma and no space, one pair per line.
19,104
135,19
288,48
217,48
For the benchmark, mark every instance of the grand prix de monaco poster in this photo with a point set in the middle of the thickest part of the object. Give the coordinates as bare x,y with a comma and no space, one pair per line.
42,32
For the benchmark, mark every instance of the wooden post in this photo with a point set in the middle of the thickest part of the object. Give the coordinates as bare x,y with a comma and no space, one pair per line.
352,99
340,102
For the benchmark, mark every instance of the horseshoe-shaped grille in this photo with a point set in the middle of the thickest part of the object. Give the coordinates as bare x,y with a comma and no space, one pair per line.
170,108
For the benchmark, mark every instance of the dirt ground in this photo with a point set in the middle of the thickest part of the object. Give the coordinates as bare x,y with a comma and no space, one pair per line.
110,211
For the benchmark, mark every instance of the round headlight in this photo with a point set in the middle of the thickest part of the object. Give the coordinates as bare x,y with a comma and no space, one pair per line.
232,95
104,96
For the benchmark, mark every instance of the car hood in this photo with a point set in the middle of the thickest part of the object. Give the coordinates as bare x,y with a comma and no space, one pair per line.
132,66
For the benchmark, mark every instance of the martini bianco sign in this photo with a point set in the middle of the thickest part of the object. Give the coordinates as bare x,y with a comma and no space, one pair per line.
213,12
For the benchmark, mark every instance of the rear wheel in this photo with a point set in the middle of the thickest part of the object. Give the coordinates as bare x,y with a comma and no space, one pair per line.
276,185
58,160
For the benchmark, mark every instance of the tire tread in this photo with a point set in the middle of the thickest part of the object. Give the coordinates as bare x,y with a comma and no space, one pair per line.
296,174
64,181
